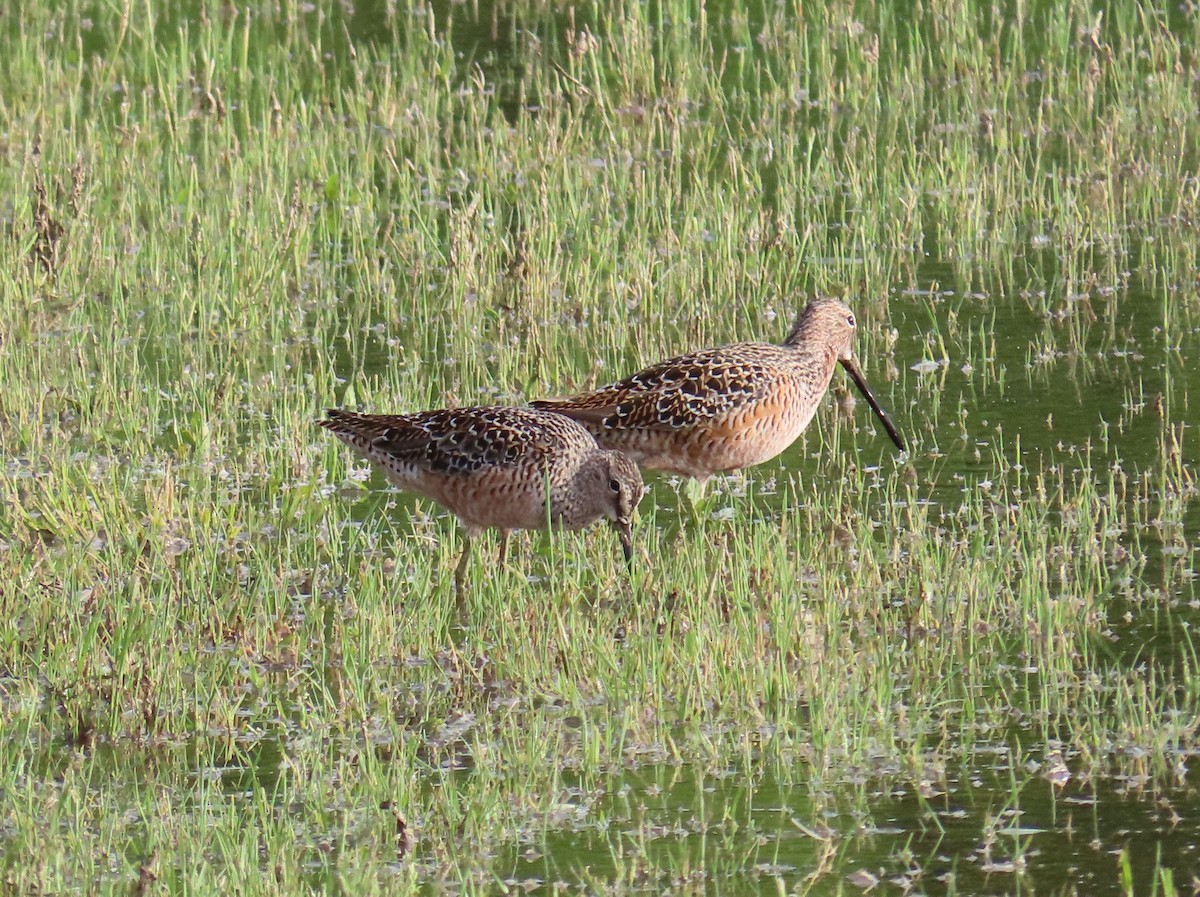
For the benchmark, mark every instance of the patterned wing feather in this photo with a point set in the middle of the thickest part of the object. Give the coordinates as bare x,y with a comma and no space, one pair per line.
458,440
676,393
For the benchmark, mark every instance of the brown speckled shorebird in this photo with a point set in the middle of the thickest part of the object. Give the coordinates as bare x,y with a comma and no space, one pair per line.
492,466
726,408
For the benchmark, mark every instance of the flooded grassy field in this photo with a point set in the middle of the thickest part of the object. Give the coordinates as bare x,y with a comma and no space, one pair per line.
232,659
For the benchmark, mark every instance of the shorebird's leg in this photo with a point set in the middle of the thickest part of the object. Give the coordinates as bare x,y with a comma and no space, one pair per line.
460,572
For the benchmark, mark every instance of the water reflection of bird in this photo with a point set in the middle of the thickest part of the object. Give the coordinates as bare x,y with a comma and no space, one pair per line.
508,468
726,408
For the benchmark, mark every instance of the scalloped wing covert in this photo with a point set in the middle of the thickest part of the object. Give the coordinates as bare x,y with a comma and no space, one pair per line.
461,440
681,392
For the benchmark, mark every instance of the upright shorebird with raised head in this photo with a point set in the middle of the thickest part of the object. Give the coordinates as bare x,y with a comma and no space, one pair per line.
507,468
727,408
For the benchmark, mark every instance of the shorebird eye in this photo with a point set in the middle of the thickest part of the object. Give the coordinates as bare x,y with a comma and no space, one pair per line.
614,485
850,320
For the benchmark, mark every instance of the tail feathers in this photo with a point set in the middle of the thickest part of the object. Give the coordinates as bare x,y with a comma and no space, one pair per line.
585,414
353,428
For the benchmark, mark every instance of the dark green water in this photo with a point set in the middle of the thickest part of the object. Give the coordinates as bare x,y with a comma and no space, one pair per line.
754,837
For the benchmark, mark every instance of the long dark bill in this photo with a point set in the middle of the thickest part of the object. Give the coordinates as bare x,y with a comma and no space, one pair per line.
856,375
625,534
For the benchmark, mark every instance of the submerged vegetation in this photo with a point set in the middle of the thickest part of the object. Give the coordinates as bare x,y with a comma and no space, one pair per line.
230,661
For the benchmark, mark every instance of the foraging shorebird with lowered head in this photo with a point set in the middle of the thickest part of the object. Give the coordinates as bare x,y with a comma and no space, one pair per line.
499,467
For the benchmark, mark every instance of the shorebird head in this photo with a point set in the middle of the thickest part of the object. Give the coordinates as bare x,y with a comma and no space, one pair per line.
624,489
607,484
830,324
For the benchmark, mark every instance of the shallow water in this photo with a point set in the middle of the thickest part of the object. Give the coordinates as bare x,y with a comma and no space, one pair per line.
760,837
